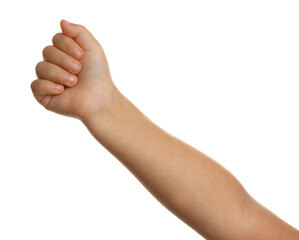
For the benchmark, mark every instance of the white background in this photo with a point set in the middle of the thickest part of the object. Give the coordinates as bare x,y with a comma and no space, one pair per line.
221,75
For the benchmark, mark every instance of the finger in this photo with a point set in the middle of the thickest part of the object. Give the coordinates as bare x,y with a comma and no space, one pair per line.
67,45
54,55
42,87
54,73
81,35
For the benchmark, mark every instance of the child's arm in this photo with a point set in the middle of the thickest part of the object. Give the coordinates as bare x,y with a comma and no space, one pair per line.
190,184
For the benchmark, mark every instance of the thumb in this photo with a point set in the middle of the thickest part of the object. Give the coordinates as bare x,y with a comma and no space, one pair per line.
81,35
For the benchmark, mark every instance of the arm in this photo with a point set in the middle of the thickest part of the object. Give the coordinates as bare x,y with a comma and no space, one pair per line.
190,184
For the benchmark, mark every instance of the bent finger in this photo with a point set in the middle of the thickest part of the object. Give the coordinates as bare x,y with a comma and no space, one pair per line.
67,45
42,87
56,56
52,72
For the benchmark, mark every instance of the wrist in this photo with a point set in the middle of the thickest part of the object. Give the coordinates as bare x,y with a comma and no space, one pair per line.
103,108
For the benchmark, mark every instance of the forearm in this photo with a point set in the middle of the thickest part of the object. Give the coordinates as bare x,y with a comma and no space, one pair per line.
187,182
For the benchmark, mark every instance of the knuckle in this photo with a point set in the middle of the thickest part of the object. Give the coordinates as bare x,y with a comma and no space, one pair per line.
56,37
37,87
39,66
33,85
47,49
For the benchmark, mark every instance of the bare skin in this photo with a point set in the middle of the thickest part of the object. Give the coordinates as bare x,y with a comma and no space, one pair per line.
190,184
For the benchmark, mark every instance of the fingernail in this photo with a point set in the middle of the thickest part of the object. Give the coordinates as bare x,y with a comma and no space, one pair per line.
74,66
71,80
78,53
58,88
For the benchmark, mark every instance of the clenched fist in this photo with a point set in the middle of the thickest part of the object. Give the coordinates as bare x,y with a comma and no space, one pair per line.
74,78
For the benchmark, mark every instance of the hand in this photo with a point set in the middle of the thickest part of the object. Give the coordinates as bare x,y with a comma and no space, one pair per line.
75,54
